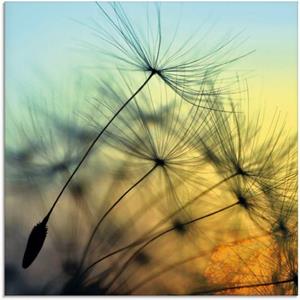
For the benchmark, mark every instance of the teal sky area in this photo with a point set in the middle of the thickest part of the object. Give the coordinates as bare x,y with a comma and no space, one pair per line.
35,31
44,35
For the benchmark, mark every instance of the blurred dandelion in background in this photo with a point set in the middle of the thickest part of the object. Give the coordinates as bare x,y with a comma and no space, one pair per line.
145,154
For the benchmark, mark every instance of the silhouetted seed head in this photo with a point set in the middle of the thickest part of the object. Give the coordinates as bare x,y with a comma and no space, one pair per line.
179,227
167,142
283,228
154,71
142,258
159,161
240,171
174,63
243,202
35,243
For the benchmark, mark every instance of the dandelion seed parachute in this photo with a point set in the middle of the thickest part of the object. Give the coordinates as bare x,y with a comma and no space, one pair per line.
157,128
157,53
254,150
284,204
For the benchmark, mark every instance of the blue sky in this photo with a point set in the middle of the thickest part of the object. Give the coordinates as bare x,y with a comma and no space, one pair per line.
44,36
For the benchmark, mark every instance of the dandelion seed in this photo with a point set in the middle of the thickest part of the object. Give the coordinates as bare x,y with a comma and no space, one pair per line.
179,66
179,227
243,148
35,243
168,142
254,203
53,157
285,224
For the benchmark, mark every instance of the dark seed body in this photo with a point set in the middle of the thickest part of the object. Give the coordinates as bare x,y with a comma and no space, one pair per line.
35,243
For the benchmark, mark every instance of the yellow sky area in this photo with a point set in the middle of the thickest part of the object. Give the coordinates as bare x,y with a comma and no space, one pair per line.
274,91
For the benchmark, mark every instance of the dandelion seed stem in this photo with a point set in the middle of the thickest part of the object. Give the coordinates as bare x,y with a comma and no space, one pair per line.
139,241
163,233
93,143
108,212
160,272
167,269
247,286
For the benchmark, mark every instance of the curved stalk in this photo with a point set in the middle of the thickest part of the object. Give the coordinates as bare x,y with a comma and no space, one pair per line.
108,212
254,285
39,232
93,144
163,233
165,270
142,240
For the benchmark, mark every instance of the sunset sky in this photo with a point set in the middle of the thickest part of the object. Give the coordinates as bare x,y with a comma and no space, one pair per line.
61,90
